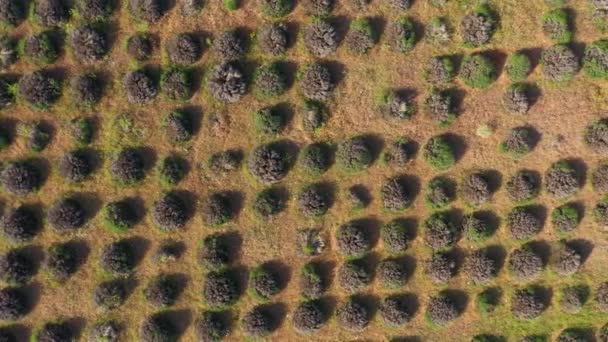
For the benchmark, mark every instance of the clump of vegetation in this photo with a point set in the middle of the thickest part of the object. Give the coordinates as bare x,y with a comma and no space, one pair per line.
354,154
75,166
274,38
168,251
226,83
595,136
562,180
107,331
81,130
528,303
396,105
442,310
439,231
476,227
354,314
225,161
480,266
524,222
13,304
269,202
50,13
118,258
566,260
516,98
264,282
184,49
110,295
518,142
276,8
158,327
269,163
315,116
403,35
321,38
172,170
94,10
259,322
479,26
600,213
488,300
395,310
314,200
476,189
395,194
439,70
566,218
595,61
309,317
20,178
119,216
316,82
215,251
54,331
140,87
163,290
439,153
220,289
392,273
523,186
599,178
526,263
176,84
311,242
20,224
140,46
62,261
89,43
319,8
218,209
16,267
518,67
270,81
440,106
439,192
438,31
440,268
559,63
12,13
229,45
37,135
557,26
358,196
354,275
361,36
41,48
353,239
178,126
478,71
66,215
396,236
399,153
127,167
269,120
316,158
212,326
39,89
312,282
87,89
150,11
169,212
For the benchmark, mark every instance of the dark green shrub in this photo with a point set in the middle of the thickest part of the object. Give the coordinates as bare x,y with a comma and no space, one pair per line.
518,142
231,5
276,8
269,202
518,67
403,35
439,193
439,154
478,71
172,170
119,216
565,218
316,158
269,120
354,154
39,48
595,61
176,84
557,26
269,81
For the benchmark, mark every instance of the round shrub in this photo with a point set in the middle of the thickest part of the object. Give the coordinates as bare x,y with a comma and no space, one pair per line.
516,99
227,83
438,31
81,130
399,153
403,35
442,310
439,70
184,48
361,36
212,326
596,136
12,13
480,266
314,201
13,304
353,239
118,258
440,231
276,8
169,212
518,67
595,61
559,63
478,27
50,12
220,289
39,89
441,267
475,189
315,116
358,196
269,202
37,135
217,210
229,45
527,303
392,273
215,251
273,39
321,38
319,8
158,328
88,44
62,261
110,295
478,71
439,193
562,180
178,126
150,11
311,242
518,142
162,290
264,282
524,222
316,158
354,275
94,10
75,166
269,163
523,186
602,297
566,260
396,105
259,322
309,317
573,298
600,213
477,227
53,332
395,194
140,46
225,161
354,154
311,281
565,218
172,170
107,331
140,87
557,26
20,224
168,251
41,48
176,84
7,97
395,236
438,153
395,310
66,215
270,81
269,120
440,107
354,315
316,82
573,335
525,263
127,167
120,216
87,89
9,57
